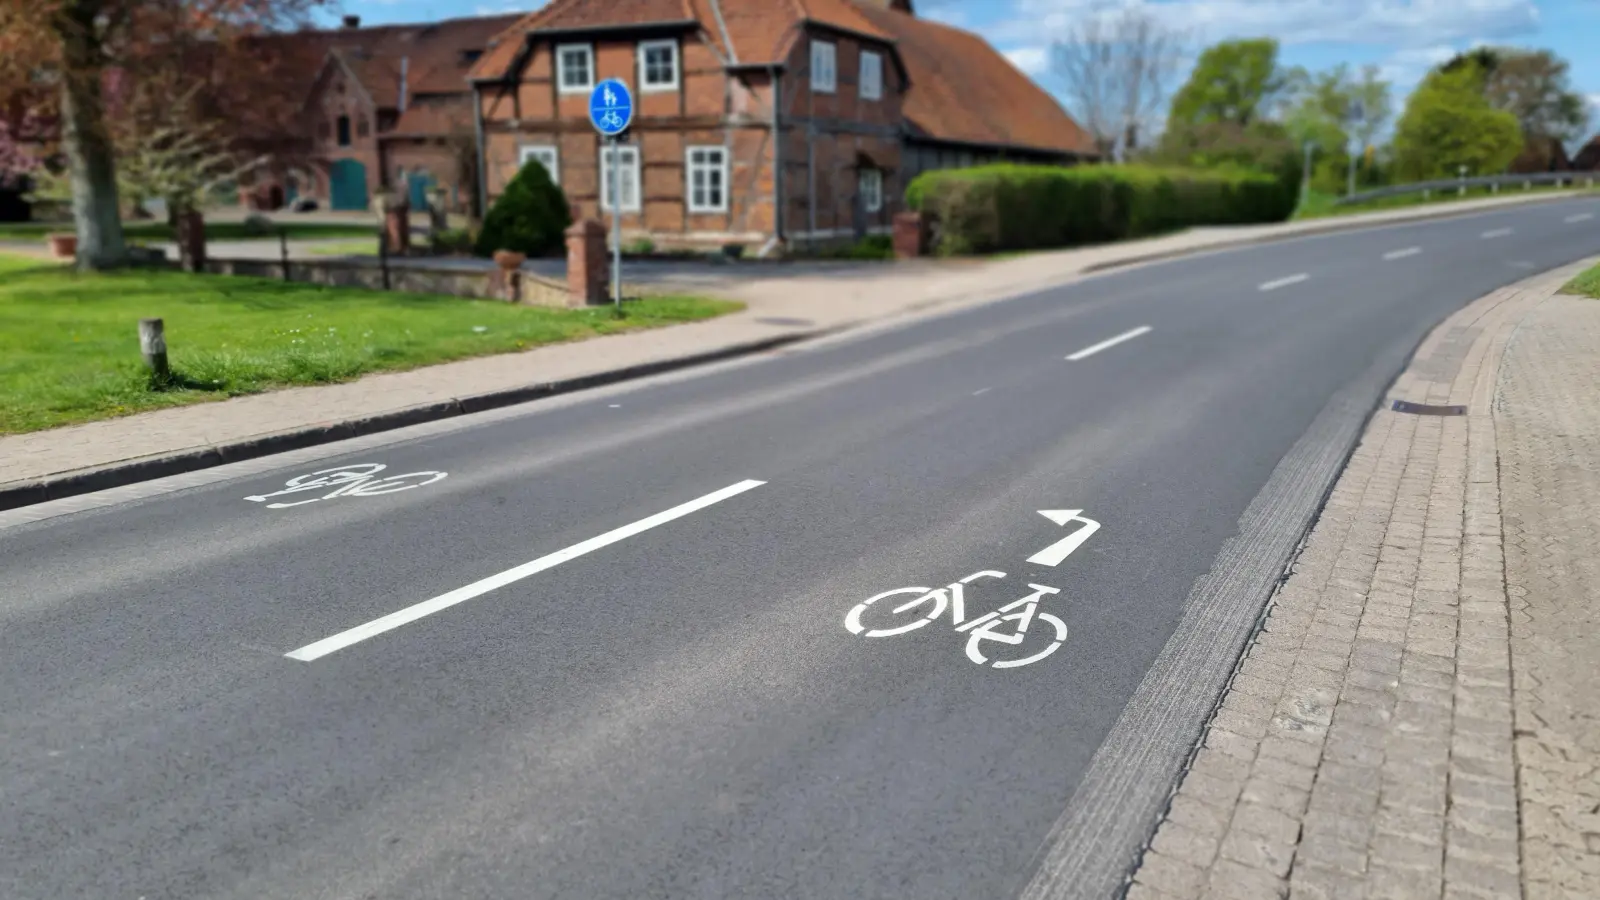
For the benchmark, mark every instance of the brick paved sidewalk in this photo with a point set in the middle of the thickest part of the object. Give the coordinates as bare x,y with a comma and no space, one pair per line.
1420,714
779,305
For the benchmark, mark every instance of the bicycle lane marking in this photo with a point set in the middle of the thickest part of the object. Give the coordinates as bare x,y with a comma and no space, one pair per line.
343,639
353,480
1022,613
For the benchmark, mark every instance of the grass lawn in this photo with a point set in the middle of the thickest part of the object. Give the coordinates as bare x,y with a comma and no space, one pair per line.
216,231
1587,284
69,348
1319,205
352,247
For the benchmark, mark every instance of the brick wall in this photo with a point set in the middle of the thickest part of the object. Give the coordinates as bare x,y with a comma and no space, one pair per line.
830,137
437,159
335,95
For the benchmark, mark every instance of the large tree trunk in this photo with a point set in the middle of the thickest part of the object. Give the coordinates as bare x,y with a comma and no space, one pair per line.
96,211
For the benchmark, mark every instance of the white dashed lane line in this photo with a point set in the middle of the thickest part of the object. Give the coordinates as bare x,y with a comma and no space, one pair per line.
1402,254
1283,282
1579,217
1108,343
1497,232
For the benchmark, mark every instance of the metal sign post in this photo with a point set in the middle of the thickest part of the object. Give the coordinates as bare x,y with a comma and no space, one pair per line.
611,112
1358,114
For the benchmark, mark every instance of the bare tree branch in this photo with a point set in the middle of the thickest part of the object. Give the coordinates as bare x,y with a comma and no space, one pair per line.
1117,72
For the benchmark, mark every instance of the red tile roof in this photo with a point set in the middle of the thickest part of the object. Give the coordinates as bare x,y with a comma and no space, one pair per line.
436,53
1588,158
588,13
964,90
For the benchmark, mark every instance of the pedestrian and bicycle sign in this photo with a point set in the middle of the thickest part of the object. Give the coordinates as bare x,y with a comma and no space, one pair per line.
611,112
611,107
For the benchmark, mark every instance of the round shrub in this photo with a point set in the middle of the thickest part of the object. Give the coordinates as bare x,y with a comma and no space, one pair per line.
528,218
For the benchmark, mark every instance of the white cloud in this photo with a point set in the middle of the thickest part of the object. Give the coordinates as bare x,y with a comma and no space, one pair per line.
1033,61
1406,66
1394,23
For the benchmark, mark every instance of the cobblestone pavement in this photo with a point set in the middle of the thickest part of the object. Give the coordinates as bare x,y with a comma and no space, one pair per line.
1365,746
1547,423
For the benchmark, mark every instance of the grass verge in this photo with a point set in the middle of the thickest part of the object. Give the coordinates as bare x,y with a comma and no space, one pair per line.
1319,205
352,247
1587,284
215,231
69,349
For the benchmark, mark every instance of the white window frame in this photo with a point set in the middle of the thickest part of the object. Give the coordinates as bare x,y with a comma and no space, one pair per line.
720,169
870,88
561,70
548,155
644,69
824,62
872,199
631,186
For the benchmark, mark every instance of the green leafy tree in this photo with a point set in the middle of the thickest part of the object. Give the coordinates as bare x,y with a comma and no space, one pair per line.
530,217
1449,123
1235,82
1323,109
1533,85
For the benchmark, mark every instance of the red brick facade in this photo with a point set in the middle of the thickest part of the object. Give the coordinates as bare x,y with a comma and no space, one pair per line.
337,97
404,93
824,165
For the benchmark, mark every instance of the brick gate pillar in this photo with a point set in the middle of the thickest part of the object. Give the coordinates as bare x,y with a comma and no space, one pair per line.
910,235
586,262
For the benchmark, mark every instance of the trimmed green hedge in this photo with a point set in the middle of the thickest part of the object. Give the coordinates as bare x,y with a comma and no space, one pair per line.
1017,207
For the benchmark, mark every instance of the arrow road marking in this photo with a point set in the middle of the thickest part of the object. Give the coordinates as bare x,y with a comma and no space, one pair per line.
1283,282
1108,343
1060,550
1401,254
460,595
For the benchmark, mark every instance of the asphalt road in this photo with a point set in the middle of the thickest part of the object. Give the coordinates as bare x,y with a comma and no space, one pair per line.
678,709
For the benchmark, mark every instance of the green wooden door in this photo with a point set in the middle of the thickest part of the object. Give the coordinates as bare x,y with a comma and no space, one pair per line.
347,184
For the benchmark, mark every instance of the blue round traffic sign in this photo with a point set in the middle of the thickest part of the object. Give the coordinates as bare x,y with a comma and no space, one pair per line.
611,107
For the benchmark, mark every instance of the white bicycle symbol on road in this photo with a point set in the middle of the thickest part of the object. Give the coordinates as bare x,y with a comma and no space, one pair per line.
1020,614
354,480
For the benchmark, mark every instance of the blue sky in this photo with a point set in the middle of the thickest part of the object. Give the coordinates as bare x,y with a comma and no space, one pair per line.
1405,37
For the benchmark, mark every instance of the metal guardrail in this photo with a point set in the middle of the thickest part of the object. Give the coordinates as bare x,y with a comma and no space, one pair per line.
1494,183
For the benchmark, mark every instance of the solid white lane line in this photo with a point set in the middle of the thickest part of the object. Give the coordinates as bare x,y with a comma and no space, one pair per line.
1580,217
460,595
1401,254
1108,343
1498,232
1283,282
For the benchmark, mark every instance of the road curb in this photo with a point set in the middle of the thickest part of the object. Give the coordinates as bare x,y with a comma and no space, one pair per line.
118,474
1334,228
